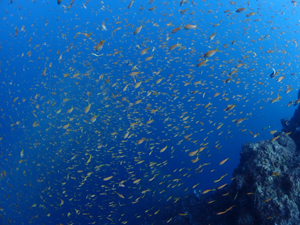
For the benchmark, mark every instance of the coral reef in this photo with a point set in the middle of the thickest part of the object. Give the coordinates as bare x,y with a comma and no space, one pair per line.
293,125
267,182
265,189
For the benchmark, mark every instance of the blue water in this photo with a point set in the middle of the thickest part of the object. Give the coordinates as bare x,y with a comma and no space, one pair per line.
48,186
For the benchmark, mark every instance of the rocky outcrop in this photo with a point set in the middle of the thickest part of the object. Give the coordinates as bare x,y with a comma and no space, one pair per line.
267,180
293,125
266,189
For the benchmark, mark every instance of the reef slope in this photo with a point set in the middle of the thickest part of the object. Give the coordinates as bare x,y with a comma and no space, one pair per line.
266,189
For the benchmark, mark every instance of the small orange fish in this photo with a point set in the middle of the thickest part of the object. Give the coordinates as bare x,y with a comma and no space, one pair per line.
152,8
288,90
138,30
66,126
138,101
141,141
230,107
208,104
158,81
220,213
175,30
93,119
208,190
274,138
211,52
267,200
228,80
220,187
163,149
107,178
212,36
276,99
121,196
229,208
240,10
217,24
280,78
130,4
219,126
138,84
216,181
35,124
190,27
202,63
240,120
22,153
174,46
240,65
289,104
149,121
149,58
297,101
202,148
276,174
255,135
136,181
87,109
89,160
144,51
232,72
100,45
223,161
193,153
70,110
135,73
16,32
250,14
103,26
195,185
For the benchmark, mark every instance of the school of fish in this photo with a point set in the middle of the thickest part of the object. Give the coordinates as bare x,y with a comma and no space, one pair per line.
136,103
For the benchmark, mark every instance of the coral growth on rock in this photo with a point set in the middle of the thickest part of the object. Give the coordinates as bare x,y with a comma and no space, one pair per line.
267,182
293,125
265,189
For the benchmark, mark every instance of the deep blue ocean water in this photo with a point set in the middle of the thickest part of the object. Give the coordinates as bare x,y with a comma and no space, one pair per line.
53,162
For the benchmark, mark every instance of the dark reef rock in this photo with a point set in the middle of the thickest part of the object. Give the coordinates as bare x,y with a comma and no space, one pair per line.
267,180
266,190
293,125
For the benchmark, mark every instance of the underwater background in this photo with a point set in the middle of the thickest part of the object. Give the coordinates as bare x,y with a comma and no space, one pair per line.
111,115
